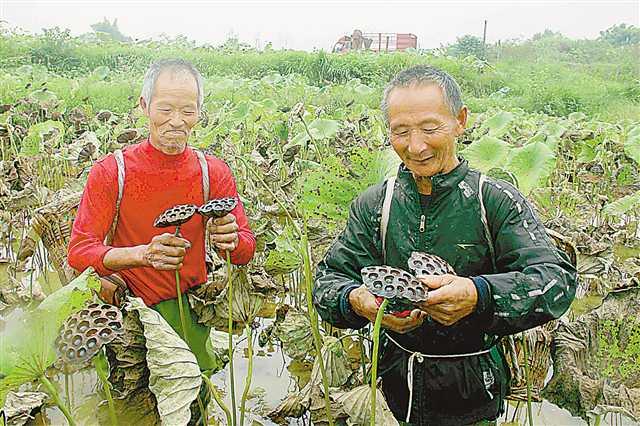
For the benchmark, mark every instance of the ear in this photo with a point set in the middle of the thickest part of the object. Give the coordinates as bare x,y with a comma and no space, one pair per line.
462,120
144,106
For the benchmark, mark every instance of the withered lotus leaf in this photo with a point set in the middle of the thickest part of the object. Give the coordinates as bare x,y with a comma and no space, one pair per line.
357,404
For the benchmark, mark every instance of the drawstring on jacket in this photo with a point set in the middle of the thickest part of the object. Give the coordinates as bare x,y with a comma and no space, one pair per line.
419,356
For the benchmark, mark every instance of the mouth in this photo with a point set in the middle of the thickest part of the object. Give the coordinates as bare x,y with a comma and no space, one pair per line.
421,161
175,132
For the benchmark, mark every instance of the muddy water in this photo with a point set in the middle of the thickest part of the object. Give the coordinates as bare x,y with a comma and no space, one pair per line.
274,375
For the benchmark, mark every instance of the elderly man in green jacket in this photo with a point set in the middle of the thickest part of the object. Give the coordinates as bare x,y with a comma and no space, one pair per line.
440,365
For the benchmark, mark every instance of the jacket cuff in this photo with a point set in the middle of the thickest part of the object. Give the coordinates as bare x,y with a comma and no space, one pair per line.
346,310
484,294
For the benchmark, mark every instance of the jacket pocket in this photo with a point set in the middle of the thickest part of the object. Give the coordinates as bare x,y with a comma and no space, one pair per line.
459,386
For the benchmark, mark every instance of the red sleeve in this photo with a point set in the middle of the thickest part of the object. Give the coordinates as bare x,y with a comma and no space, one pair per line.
94,218
224,185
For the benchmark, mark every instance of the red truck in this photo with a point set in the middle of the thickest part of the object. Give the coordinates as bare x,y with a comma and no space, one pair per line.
376,42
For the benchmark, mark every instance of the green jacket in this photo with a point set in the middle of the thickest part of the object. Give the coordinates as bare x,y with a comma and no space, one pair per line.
532,283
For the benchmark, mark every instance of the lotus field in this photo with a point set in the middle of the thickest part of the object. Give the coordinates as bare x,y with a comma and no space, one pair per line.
304,134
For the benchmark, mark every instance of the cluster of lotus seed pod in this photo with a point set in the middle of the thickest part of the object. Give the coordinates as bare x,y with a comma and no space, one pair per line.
177,215
218,207
428,264
84,333
392,283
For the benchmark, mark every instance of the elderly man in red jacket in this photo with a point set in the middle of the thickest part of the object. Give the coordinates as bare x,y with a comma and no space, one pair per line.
158,173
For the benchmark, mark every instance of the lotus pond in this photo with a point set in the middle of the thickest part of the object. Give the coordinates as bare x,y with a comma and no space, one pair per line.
301,150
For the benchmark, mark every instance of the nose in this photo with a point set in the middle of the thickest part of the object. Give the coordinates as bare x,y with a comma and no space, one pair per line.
416,142
175,119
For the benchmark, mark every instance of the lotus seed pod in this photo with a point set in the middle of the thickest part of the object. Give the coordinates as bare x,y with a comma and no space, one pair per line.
84,333
393,283
175,216
218,207
128,135
428,264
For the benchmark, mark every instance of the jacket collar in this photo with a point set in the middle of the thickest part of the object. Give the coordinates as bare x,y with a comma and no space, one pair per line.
440,183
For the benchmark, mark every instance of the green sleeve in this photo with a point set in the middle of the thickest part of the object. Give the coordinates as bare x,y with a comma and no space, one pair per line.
339,272
534,282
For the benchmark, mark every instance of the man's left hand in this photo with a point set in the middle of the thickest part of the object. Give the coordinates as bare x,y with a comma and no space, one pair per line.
223,232
450,297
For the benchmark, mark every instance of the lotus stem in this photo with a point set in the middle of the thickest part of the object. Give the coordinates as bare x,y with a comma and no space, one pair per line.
218,398
361,349
66,389
203,411
101,365
183,320
230,327
525,350
247,379
56,398
314,324
374,359
311,138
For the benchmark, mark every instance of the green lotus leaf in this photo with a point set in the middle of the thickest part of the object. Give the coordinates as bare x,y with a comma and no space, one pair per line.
532,164
632,144
25,70
281,262
363,90
101,73
324,129
25,359
577,116
44,97
553,132
285,258
622,205
498,124
301,139
587,151
487,153
49,131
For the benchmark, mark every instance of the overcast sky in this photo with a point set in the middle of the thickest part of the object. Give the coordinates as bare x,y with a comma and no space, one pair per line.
313,24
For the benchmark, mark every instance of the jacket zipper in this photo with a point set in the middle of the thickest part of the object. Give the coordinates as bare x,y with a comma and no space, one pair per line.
423,219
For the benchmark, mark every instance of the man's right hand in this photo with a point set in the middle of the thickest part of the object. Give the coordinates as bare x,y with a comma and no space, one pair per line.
364,304
165,252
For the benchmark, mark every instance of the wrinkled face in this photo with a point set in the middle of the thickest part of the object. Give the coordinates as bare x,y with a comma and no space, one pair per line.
173,111
422,129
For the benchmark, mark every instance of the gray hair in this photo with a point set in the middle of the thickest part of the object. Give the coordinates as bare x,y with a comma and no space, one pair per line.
174,66
423,74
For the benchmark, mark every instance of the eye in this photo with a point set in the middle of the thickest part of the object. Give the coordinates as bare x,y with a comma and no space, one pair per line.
402,132
430,130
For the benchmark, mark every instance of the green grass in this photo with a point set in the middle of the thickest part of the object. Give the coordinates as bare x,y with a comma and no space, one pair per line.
555,76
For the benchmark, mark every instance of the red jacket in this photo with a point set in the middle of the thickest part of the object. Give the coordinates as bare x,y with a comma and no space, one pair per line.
154,182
